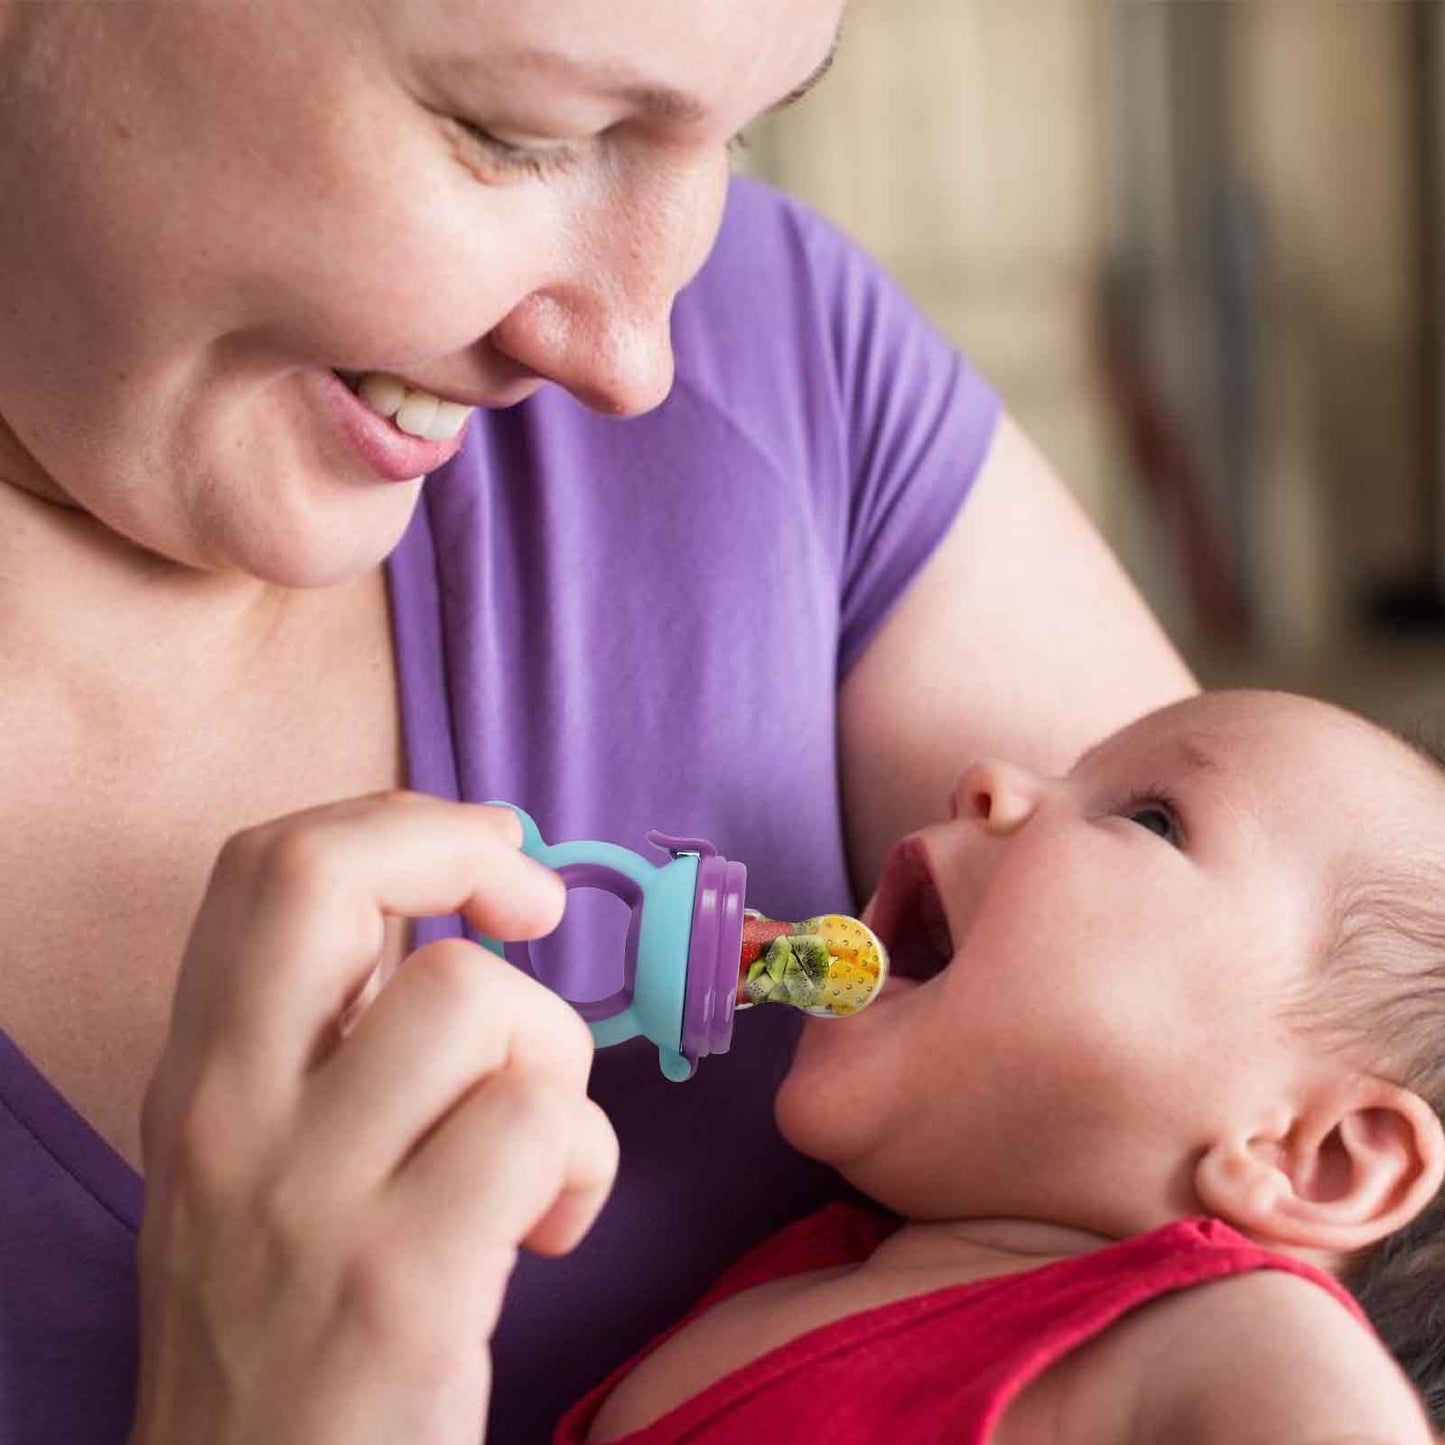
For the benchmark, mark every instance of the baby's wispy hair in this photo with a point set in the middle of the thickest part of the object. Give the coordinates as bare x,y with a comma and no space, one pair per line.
1380,995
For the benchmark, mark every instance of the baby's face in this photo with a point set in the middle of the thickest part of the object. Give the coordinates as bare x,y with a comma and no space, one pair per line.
1102,963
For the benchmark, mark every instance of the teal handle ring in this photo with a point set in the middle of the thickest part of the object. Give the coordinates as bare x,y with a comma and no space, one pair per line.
677,987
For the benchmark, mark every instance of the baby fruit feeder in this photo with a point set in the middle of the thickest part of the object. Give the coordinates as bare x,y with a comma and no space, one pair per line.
685,944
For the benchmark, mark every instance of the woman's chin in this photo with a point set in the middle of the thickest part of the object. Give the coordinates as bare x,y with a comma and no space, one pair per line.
320,547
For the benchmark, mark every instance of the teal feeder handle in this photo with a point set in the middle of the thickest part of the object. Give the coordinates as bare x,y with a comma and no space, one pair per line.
684,934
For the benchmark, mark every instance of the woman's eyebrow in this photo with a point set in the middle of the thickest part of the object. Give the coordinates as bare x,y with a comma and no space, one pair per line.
615,82
659,101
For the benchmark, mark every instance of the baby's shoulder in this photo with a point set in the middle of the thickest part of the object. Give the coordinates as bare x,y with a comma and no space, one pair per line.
1267,1354
1250,1313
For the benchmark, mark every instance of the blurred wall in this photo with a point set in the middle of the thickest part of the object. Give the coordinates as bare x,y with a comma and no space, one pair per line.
1322,128
963,142
1002,157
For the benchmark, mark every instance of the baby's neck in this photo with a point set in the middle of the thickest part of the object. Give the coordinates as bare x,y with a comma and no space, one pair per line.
939,1252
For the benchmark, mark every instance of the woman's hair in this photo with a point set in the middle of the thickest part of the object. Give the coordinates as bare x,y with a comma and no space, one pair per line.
1382,995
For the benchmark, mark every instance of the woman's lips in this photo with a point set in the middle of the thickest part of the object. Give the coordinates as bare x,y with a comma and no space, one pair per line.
390,453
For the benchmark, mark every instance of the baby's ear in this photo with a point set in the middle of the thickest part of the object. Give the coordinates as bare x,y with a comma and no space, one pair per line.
1355,1163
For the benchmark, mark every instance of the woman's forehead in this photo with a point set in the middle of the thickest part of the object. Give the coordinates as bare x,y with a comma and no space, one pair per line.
716,63
697,51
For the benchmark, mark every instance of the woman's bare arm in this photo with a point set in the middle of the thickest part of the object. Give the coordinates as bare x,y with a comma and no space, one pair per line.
1022,638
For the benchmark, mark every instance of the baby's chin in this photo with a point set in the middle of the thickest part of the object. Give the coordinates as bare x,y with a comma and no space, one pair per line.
846,1150
817,1105
798,1092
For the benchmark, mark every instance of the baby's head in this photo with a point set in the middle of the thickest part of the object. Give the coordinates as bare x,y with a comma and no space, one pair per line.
1203,972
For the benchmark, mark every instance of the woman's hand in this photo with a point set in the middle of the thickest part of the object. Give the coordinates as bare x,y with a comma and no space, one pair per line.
330,1223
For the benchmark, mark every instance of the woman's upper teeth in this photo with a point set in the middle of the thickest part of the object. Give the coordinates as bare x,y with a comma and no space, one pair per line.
418,413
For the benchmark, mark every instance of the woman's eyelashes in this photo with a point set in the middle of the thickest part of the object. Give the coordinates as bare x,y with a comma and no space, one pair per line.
507,160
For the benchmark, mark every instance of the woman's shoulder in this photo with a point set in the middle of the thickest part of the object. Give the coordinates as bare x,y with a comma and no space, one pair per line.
812,351
774,253
785,294
771,241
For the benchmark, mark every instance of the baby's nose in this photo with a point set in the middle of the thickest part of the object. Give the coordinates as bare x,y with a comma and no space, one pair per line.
1001,796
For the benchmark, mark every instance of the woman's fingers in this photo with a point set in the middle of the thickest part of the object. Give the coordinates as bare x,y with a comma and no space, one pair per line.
518,1161
332,1230
452,1016
292,921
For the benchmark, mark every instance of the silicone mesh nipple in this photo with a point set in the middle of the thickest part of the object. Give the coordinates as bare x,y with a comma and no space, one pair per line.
829,967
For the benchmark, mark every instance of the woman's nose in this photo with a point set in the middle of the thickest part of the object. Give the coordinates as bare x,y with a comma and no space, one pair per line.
1001,796
602,330
614,361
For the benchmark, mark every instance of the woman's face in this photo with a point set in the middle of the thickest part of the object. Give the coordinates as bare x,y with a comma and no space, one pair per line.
214,208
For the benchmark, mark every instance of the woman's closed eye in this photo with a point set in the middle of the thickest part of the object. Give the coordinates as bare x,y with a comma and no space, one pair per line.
507,160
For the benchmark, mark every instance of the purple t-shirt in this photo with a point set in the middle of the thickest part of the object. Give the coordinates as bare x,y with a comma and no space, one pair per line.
619,625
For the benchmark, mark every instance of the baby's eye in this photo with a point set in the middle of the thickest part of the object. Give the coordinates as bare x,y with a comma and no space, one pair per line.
1158,816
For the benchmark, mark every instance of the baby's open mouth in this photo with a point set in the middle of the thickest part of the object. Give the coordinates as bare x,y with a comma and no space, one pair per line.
907,914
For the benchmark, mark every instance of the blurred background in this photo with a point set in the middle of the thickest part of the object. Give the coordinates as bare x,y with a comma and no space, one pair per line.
1199,247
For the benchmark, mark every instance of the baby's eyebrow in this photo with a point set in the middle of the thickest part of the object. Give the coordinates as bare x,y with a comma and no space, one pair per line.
1191,755
1196,758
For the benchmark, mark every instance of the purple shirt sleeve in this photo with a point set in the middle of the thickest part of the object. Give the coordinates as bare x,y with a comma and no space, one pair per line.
819,358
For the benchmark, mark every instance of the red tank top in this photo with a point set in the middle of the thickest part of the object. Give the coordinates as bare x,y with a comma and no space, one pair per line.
938,1366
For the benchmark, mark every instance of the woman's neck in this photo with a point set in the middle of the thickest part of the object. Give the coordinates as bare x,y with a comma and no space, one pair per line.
80,601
